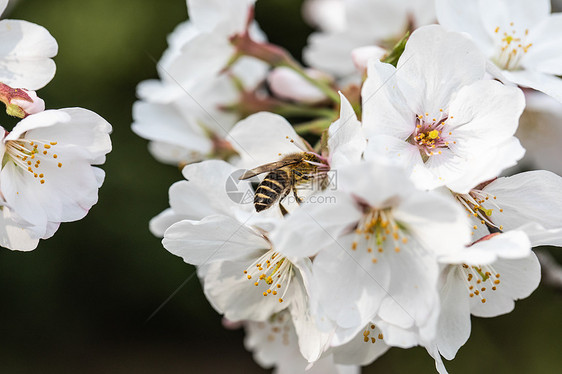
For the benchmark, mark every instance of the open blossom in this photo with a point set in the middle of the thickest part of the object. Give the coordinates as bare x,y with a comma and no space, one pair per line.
520,38
47,175
482,280
347,25
184,113
433,112
26,52
374,250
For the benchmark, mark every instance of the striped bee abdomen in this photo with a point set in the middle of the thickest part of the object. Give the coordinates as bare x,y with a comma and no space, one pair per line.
275,185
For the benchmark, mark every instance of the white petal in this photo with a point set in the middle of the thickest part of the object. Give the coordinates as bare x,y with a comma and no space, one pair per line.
312,341
385,110
159,224
434,221
313,226
13,233
377,183
530,197
464,16
546,83
215,238
349,286
488,165
445,60
212,187
477,106
545,54
227,17
412,298
164,123
207,54
25,54
539,130
327,15
453,327
274,142
346,141
510,244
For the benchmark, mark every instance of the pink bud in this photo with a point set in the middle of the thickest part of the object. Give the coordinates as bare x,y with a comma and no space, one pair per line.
229,325
289,85
36,104
362,55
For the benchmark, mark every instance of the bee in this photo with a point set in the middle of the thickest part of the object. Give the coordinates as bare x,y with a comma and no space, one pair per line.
284,176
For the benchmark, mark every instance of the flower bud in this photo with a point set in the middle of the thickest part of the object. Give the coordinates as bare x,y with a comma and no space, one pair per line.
20,102
362,55
289,85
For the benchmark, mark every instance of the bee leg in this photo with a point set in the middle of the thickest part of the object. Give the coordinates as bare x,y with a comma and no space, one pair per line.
297,198
284,211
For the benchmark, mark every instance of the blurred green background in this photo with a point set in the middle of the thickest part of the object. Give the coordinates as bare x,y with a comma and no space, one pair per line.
80,301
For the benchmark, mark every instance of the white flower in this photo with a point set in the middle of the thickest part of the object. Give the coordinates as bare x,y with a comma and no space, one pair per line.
184,113
520,37
275,344
347,25
46,176
483,280
26,50
433,113
374,245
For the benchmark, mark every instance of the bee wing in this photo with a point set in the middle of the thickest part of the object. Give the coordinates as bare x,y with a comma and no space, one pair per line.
267,167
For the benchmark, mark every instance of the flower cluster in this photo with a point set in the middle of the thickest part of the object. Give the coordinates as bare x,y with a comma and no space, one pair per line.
377,216
46,175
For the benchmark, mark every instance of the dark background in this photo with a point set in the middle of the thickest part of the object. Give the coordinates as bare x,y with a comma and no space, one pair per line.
80,301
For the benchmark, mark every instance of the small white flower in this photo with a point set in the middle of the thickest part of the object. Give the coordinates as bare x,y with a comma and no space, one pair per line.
521,38
26,52
46,175
433,113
